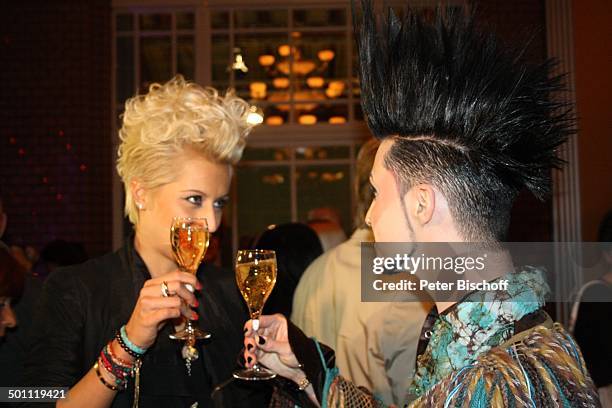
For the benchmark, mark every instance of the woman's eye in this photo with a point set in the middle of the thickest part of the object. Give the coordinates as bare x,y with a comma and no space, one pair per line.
195,200
220,204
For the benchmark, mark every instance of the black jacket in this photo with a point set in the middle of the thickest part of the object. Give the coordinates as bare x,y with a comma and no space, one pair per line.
82,307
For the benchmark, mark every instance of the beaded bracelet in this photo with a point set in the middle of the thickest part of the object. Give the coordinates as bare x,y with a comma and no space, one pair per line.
120,381
114,357
126,340
121,340
124,347
118,370
102,380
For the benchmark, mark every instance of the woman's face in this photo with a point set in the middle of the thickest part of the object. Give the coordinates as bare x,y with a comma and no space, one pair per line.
200,189
7,315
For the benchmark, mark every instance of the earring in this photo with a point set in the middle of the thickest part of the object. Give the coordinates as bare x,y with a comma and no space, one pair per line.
140,206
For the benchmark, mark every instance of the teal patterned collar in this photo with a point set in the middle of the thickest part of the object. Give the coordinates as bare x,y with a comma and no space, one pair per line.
473,326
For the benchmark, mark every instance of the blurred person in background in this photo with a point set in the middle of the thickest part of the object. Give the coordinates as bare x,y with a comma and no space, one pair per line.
375,342
56,254
328,225
26,256
296,246
14,350
591,318
12,277
18,280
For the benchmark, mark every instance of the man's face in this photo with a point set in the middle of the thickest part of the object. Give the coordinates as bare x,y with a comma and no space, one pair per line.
387,215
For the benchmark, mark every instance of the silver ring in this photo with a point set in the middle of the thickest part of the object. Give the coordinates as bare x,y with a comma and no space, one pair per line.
164,289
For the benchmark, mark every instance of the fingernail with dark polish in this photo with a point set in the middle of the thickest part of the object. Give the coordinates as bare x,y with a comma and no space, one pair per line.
194,316
262,340
246,330
249,347
249,360
196,303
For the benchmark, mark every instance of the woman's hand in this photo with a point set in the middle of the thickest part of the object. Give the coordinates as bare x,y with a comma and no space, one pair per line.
270,347
153,308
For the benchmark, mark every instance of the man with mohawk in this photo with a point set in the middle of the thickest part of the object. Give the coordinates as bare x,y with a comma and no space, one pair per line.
464,125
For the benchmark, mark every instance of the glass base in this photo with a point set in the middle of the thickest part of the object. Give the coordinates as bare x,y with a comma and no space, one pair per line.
256,373
187,333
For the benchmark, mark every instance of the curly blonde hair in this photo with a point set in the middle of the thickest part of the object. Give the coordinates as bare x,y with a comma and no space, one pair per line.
159,126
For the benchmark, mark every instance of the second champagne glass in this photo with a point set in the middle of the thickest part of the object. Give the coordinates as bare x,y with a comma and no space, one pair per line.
255,276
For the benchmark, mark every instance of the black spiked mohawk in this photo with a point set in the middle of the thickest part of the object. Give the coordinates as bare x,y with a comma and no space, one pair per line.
467,114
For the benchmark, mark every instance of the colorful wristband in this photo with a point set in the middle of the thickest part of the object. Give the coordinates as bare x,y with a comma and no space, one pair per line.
139,351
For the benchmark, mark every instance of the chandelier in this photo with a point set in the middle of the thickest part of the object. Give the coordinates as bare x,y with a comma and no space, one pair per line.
295,78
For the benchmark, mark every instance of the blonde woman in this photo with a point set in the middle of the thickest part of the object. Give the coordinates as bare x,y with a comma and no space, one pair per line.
178,145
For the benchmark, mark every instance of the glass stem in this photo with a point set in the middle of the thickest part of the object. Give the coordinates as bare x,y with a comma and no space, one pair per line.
255,325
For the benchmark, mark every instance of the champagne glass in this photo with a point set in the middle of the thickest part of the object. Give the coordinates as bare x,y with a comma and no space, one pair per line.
255,276
189,238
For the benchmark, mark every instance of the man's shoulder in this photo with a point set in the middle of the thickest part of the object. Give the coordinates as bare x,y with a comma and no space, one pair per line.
517,368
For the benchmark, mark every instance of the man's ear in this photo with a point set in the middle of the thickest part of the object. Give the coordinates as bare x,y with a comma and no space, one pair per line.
139,194
422,203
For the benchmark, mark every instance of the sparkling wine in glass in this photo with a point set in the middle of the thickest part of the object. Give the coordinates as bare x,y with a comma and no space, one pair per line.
255,276
189,238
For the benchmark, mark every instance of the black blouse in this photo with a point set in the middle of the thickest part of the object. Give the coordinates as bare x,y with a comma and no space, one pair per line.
82,307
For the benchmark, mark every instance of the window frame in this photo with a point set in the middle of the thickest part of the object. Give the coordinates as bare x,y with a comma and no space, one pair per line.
352,133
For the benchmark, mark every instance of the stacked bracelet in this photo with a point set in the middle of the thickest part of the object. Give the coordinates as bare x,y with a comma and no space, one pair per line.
121,381
129,347
120,369
109,350
102,380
